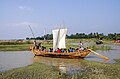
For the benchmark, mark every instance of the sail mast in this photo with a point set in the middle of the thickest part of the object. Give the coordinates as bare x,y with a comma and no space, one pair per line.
31,31
44,34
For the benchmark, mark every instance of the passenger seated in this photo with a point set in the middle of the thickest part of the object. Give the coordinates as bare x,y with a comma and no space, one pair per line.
82,49
58,50
65,51
62,50
50,49
37,47
76,49
71,49
68,50
43,48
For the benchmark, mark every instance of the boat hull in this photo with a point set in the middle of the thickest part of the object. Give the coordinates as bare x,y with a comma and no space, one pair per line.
72,55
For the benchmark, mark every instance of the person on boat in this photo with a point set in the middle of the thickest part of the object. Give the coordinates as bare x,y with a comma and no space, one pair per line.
34,42
81,44
50,50
39,45
62,50
43,48
68,50
81,49
65,51
58,50
76,49
71,49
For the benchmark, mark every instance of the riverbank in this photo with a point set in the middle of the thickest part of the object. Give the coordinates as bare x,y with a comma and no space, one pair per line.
91,70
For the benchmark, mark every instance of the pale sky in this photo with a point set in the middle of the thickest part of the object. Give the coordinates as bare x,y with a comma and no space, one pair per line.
79,16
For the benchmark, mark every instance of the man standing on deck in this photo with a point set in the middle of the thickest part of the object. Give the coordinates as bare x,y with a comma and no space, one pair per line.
34,42
81,44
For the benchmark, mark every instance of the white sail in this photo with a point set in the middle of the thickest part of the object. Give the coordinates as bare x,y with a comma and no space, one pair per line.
62,36
55,39
59,38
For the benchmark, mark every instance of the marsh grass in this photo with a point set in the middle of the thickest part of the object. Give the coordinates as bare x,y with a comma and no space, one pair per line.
22,47
118,61
101,47
34,71
96,70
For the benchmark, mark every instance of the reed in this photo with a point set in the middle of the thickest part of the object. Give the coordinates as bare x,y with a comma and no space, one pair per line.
103,47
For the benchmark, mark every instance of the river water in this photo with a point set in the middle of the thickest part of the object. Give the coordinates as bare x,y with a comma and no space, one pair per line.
16,59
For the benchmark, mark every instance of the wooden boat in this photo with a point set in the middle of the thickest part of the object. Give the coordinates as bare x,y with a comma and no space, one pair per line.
81,54
59,42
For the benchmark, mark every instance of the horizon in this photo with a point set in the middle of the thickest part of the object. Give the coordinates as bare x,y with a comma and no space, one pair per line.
79,16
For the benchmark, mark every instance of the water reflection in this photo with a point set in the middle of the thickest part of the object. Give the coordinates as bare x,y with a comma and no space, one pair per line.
69,66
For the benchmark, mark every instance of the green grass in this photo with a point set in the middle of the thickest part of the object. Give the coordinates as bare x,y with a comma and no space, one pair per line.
21,47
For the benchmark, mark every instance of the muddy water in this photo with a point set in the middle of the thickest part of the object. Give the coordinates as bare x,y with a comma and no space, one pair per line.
14,59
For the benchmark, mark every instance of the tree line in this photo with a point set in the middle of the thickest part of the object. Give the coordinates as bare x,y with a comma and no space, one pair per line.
100,36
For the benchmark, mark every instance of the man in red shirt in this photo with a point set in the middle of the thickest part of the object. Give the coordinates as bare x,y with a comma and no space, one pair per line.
58,50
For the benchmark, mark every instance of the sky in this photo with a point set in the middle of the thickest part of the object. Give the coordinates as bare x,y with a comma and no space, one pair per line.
79,16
